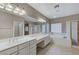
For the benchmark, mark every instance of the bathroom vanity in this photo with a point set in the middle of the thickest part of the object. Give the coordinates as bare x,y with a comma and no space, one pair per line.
18,46
23,45
42,39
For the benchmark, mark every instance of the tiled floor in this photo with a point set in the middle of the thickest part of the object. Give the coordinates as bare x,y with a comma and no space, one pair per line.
52,49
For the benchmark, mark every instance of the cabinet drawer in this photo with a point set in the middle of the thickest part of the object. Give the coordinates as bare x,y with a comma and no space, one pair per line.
24,51
32,45
47,41
32,49
33,41
8,51
21,46
33,52
14,53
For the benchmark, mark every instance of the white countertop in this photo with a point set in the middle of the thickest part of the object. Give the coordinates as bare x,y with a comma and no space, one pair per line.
39,36
11,42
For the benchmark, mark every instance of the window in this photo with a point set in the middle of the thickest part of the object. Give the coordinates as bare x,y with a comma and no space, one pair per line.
47,27
43,28
57,27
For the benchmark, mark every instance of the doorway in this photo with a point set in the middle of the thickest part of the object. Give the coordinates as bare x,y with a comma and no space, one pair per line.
75,33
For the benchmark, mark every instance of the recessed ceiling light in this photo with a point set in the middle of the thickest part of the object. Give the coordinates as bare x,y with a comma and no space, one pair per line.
9,7
2,5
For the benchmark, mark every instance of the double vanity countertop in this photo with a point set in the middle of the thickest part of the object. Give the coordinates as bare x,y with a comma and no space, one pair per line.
11,42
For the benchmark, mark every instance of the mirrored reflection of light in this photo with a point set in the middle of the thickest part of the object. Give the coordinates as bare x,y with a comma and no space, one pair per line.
22,12
41,20
2,5
16,10
12,8
9,7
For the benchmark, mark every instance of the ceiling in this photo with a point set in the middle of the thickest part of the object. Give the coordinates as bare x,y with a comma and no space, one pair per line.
49,10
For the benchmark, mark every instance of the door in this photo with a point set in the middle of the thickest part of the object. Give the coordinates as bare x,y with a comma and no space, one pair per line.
74,30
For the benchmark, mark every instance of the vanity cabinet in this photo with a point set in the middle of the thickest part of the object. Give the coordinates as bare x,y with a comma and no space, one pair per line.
23,49
26,48
24,45
45,42
9,51
15,53
32,47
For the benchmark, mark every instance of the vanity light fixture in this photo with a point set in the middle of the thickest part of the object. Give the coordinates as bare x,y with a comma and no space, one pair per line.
16,10
2,5
13,8
9,7
22,12
41,20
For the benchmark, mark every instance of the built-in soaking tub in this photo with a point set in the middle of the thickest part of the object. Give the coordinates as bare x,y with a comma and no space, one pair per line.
61,39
